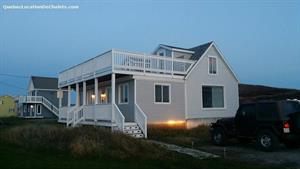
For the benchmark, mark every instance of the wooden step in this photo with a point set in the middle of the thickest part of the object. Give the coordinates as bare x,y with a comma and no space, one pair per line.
133,131
137,135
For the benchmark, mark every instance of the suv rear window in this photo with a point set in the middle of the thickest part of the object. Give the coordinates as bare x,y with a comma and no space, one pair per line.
267,111
290,107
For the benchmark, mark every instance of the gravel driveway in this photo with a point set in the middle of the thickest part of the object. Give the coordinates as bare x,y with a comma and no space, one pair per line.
287,157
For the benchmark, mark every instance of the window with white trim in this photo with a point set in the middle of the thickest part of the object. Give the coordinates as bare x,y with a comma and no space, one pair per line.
213,96
212,65
123,93
162,93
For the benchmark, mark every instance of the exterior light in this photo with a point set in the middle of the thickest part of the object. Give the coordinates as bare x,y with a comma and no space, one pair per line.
103,95
93,96
175,122
31,106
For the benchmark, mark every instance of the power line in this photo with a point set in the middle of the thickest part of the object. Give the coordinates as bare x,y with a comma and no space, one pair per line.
13,75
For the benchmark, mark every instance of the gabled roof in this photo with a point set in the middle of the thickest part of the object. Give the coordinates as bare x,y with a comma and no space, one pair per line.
173,47
199,50
44,82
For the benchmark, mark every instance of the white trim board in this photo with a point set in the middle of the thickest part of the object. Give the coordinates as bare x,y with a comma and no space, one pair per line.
202,56
163,79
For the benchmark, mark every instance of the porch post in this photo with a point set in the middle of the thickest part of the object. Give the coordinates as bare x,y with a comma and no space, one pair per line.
60,96
84,93
96,91
77,95
113,95
69,96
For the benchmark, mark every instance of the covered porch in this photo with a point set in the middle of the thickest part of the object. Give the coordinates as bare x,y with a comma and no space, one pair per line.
103,101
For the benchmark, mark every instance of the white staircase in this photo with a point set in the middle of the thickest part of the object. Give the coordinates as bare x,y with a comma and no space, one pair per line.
133,130
41,100
75,116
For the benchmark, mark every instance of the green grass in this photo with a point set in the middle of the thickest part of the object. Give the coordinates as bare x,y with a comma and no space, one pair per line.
45,144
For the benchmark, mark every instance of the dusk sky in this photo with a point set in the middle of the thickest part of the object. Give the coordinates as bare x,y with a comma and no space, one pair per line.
260,40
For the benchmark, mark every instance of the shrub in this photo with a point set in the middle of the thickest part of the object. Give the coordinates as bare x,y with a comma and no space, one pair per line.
180,136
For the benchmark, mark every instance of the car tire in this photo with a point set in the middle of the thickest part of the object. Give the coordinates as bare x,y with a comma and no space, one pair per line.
266,140
219,137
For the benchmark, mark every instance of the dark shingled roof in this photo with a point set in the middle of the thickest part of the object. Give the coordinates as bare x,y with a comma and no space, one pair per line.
174,47
199,50
44,82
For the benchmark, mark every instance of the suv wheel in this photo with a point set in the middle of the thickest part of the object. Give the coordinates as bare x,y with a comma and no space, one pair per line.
218,136
266,140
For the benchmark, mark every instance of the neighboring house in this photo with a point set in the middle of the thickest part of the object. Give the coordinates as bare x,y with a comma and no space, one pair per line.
128,91
41,100
7,106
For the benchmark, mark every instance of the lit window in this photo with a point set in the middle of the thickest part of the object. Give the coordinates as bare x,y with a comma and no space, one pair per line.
162,93
123,93
213,96
212,62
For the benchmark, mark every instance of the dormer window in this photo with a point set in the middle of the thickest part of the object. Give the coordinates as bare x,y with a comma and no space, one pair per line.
161,54
212,65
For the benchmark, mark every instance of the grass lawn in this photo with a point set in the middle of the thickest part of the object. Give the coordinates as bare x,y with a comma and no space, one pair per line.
44,144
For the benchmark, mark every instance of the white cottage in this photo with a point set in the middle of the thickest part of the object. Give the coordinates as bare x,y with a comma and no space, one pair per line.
127,91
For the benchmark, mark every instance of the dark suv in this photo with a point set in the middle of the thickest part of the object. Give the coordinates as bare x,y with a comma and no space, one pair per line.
269,123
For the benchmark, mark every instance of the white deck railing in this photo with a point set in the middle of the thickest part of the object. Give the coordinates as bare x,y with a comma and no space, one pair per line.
134,62
99,112
119,118
124,62
141,119
89,69
41,100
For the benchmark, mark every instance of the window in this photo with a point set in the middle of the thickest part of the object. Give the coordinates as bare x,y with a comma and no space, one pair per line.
161,54
123,93
290,107
39,110
246,111
212,65
162,94
268,111
213,96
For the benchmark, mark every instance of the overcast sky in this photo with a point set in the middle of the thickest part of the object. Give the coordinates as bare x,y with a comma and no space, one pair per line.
260,40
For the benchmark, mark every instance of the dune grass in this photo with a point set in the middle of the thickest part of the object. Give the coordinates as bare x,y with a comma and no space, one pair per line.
195,137
80,141
45,144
